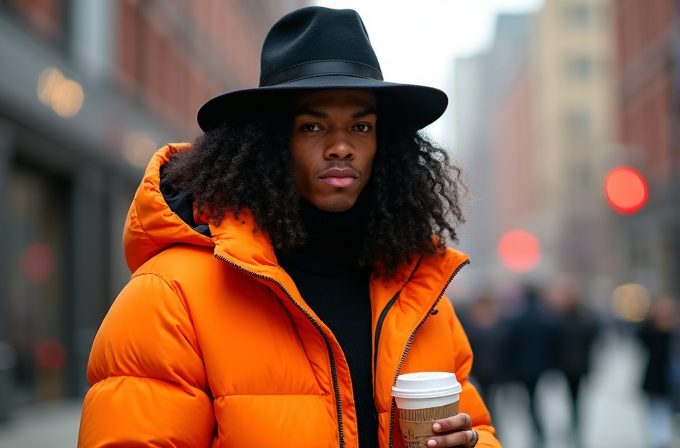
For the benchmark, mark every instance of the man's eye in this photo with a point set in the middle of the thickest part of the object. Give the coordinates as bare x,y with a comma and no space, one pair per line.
362,127
311,127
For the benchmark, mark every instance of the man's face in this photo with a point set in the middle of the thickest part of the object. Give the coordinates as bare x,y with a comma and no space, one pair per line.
332,145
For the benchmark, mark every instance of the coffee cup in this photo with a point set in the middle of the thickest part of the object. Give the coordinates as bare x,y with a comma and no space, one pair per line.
421,398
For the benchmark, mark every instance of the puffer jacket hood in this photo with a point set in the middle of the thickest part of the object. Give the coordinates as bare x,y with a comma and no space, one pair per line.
151,225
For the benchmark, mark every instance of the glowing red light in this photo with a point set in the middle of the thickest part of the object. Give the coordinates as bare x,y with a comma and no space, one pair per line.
50,354
37,262
519,251
625,190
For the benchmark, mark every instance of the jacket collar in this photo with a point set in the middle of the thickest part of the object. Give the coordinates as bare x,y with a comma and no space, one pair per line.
151,227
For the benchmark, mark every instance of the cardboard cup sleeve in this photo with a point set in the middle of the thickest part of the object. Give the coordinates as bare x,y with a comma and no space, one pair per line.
416,424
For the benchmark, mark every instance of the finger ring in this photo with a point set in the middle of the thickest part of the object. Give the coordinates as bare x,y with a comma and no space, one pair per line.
476,438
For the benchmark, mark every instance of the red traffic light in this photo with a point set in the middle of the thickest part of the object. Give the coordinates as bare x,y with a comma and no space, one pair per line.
625,190
519,251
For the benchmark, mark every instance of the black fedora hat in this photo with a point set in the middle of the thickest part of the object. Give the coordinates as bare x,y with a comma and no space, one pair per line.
320,48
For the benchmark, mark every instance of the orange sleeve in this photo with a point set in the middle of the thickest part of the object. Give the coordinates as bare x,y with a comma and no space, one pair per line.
471,402
149,386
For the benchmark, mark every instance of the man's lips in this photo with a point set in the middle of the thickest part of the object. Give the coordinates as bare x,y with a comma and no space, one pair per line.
339,178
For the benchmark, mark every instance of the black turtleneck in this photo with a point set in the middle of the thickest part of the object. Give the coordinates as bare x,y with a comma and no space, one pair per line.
327,274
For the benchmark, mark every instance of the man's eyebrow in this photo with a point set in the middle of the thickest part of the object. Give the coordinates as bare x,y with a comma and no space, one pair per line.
312,112
322,114
363,113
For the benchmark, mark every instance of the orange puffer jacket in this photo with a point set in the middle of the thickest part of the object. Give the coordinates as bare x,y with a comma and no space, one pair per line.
211,345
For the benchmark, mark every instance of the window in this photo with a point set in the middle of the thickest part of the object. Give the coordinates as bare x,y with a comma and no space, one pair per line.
639,250
577,16
46,18
580,175
577,124
580,68
670,250
34,252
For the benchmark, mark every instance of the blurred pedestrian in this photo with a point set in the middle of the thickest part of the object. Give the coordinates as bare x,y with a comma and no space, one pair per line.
486,332
655,335
530,350
578,330
289,263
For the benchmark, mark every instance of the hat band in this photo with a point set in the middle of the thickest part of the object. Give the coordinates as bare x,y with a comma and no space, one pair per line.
322,68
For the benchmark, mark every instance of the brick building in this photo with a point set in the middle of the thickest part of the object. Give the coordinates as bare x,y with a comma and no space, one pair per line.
646,67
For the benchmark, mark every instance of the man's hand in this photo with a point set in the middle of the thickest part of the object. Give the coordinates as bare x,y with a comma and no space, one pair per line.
455,432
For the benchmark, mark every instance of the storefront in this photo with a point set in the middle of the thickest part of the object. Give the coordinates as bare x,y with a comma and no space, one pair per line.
68,171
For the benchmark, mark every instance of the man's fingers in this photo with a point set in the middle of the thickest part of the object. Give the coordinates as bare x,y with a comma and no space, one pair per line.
455,423
455,431
466,438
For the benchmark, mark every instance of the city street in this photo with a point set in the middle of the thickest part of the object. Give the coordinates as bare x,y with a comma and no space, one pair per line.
327,169
613,413
53,425
612,409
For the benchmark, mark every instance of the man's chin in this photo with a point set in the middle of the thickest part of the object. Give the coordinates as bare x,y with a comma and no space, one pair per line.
335,204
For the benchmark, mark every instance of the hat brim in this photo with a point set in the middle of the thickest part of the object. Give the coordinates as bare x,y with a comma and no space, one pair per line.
418,105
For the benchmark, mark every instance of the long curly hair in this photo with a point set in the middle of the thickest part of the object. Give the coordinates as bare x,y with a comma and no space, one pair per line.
414,193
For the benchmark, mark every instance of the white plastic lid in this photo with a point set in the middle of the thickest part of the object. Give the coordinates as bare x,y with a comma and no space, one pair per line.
426,385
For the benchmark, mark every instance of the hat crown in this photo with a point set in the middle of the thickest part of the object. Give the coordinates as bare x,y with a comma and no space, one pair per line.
316,34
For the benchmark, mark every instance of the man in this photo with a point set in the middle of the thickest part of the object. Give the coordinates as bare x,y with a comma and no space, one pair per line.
531,349
656,337
577,331
289,265
486,330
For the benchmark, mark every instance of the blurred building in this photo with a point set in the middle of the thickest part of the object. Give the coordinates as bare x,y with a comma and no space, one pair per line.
543,139
88,90
647,50
574,127
493,135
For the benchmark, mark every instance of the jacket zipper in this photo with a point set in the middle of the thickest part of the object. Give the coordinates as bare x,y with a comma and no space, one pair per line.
381,319
378,329
334,374
393,407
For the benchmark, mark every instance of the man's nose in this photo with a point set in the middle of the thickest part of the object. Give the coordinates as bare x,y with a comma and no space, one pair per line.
340,146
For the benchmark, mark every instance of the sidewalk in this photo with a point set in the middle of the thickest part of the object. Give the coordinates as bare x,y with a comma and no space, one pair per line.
52,425
613,409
